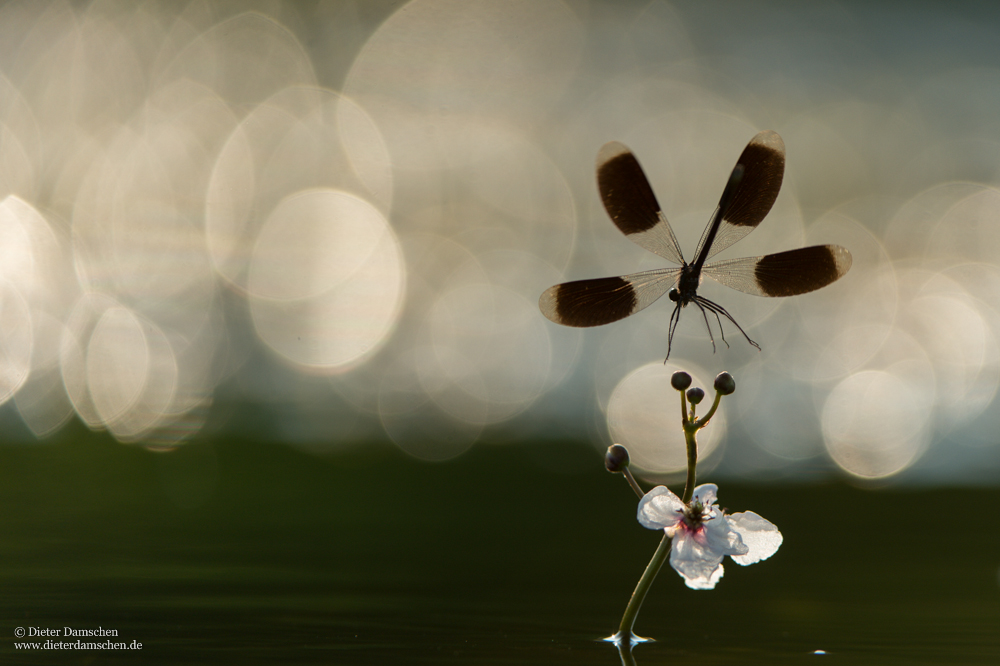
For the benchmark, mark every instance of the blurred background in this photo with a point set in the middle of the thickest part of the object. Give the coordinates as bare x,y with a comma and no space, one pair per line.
328,223
263,263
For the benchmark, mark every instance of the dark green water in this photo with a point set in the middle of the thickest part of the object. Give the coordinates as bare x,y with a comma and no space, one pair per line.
244,553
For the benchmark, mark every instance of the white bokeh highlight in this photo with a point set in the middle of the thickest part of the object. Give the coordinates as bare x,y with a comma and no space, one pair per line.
347,217
644,416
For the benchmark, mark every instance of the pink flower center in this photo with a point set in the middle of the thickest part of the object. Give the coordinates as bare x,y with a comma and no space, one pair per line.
695,529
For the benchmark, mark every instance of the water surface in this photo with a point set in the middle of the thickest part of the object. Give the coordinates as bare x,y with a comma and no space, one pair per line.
238,552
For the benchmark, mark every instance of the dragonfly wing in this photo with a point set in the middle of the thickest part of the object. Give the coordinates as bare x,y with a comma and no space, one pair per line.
784,273
631,204
604,300
763,162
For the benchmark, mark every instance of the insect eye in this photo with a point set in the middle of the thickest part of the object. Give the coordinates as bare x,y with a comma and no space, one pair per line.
673,294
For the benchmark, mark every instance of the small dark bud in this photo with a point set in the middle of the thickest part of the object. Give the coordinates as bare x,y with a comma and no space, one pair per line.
695,395
680,380
725,384
616,459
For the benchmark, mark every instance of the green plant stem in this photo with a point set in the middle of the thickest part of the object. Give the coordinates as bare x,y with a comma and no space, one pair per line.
690,429
691,425
625,652
632,482
632,610
703,421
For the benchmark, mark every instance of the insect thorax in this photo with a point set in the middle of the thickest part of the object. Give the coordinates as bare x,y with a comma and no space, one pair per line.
687,284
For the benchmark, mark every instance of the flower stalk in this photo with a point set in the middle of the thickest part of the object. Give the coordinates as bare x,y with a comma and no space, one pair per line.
696,533
692,425
616,460
641,588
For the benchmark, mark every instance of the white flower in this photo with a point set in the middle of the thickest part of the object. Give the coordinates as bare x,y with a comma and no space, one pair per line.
702,535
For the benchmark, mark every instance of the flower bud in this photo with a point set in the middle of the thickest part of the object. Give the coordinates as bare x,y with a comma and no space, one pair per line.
725,384
616,459
680,380
695,395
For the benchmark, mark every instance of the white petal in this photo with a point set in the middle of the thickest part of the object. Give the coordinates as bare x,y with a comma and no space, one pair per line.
700,566
706,493
721,538
760,535
660,509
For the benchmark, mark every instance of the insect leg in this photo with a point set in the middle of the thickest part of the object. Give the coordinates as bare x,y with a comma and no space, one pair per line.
710,306
718,309
697,301
675,317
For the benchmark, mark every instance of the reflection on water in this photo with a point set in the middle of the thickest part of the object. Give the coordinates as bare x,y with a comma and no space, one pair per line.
239,552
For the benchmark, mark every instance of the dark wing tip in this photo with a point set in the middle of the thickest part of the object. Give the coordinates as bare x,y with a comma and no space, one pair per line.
801,271
763,163
588,302
625,190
